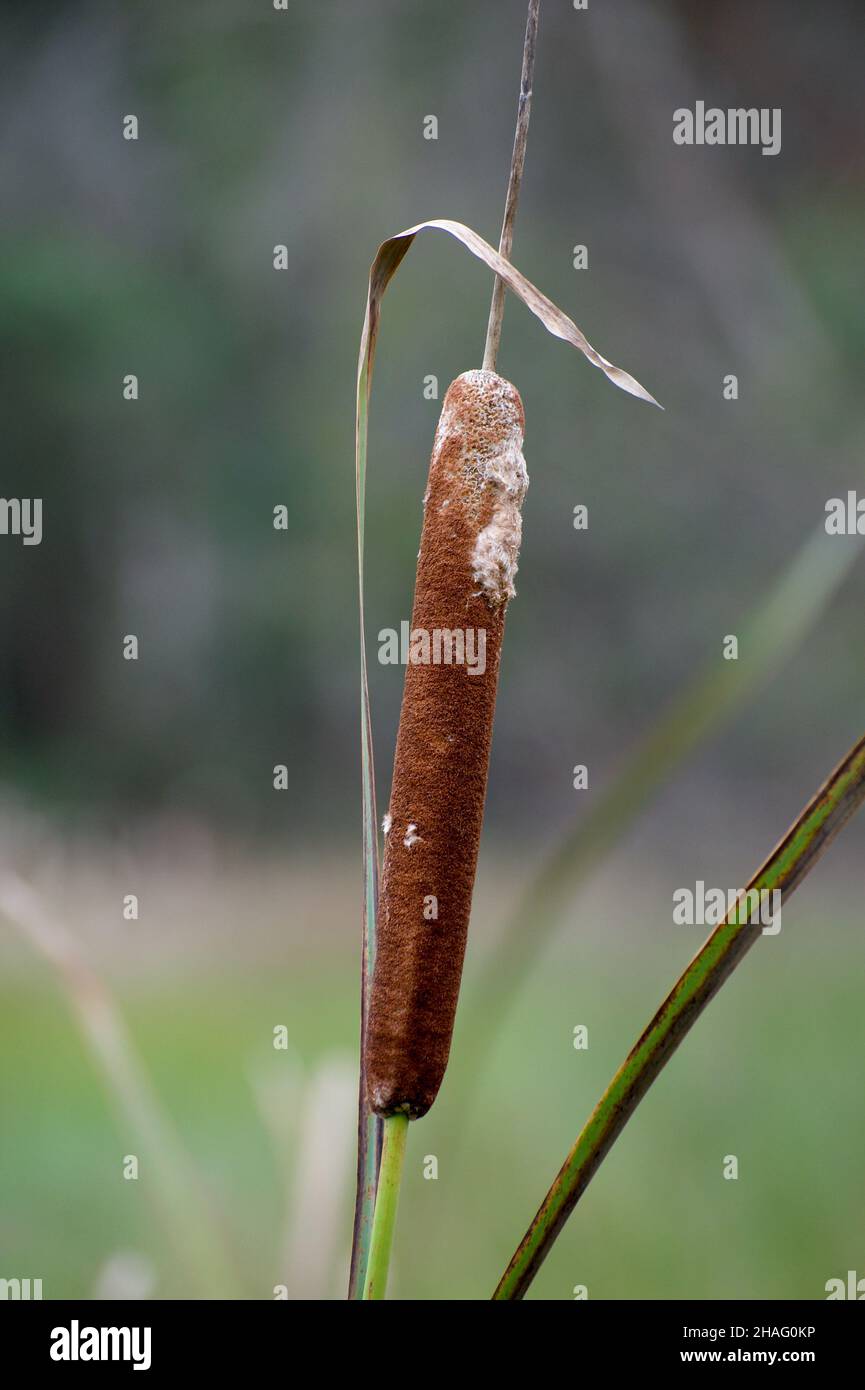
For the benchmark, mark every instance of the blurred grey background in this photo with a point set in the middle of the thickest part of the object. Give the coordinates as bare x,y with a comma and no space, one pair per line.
305,128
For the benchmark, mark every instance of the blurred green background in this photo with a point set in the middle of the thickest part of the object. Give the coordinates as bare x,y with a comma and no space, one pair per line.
305,128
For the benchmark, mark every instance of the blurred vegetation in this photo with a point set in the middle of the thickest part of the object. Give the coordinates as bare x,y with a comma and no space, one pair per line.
767,1075
304,128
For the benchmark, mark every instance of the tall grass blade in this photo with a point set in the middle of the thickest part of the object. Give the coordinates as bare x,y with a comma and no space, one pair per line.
369,1126
824,816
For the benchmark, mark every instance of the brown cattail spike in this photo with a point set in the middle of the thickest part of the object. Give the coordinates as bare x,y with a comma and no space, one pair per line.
465,576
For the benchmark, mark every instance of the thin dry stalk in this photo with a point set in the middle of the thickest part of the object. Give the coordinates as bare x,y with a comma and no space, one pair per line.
518,160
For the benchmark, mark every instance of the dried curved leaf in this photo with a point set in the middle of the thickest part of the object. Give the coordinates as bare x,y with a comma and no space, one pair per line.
391,252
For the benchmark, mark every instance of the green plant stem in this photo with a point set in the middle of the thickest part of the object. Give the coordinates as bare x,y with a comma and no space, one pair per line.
369,1126
386,1201
784,870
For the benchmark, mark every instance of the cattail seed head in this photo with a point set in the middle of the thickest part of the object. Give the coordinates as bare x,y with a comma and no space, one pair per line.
465,576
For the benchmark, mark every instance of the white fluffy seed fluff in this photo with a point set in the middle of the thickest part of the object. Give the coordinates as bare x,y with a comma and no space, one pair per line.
499,466
411,836
387,822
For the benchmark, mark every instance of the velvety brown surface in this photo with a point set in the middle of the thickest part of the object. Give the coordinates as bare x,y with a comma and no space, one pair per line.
442,754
